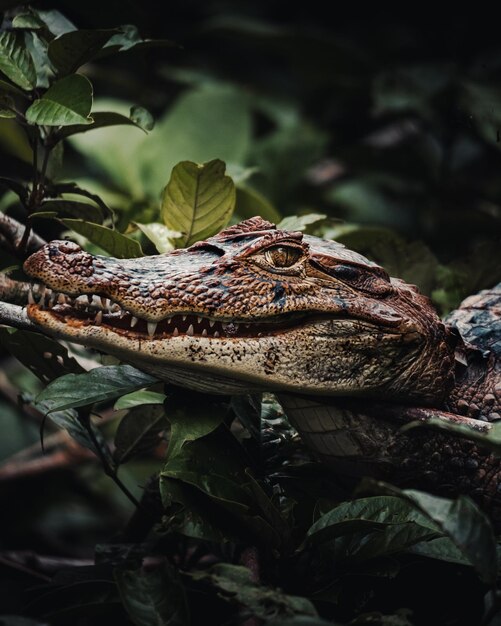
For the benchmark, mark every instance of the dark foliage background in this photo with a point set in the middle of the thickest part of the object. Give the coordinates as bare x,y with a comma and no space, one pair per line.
383,126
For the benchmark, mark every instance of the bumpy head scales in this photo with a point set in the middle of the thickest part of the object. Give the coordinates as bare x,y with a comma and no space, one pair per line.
254,306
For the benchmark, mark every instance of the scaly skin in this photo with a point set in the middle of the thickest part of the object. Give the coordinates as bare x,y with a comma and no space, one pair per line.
328,330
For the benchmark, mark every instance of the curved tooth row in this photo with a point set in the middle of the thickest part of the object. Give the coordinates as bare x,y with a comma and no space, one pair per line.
100,305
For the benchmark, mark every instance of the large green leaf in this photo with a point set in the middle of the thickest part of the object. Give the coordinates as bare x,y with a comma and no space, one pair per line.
204,124
138,398
71,50
153,597
198,200
113,242
368,514
251,203
139,431
66,102
466,525
15,61
98,385
102,119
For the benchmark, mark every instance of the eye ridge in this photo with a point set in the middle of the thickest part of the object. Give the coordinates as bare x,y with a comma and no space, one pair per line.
282,256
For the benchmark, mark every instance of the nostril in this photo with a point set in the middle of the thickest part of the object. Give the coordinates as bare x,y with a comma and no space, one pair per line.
68,247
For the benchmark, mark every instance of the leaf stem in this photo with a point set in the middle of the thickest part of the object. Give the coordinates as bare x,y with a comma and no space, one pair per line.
109,469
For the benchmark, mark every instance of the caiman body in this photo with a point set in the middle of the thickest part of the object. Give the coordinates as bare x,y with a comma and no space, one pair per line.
351,352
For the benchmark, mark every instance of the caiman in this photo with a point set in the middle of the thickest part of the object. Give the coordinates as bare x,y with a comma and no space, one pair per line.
351,353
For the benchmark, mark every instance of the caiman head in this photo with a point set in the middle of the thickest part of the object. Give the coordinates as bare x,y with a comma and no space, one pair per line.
254,307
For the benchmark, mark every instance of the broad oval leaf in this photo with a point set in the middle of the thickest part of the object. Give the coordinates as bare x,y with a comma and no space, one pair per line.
71,50
67,102
98,385
109,240
15,60
198,200
367,514
139,431
466,525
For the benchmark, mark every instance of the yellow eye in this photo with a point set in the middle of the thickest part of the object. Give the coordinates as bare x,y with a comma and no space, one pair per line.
283,256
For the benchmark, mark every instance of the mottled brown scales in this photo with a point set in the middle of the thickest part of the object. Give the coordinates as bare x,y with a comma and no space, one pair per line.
351,352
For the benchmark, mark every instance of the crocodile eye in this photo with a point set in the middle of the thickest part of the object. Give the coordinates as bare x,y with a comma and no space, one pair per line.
283,256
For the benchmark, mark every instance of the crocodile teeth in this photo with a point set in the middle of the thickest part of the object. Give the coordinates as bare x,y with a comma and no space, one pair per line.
176,332
216,334
184,318
31,299
169,320
52,299
199,319
133,321
99,318
190,332
61,298
204,333
105,302
211,323
152,326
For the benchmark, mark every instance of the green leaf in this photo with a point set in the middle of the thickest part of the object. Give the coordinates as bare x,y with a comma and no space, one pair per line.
203,124
69,208
368,514
73,49
111,241
128,38
250,203
43,356
190,421
142,117
235,583
301,222
16,62
28,21
102,119
139,431
163,238
98,385
71,422
198,200
66,102
466,525
153,597
55,21
138,398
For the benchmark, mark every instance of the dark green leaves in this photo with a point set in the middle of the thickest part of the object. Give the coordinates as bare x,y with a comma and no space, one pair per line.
98,385
66,102
235,583
73,49
112,241
139,431
15,61
153,597
198,200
